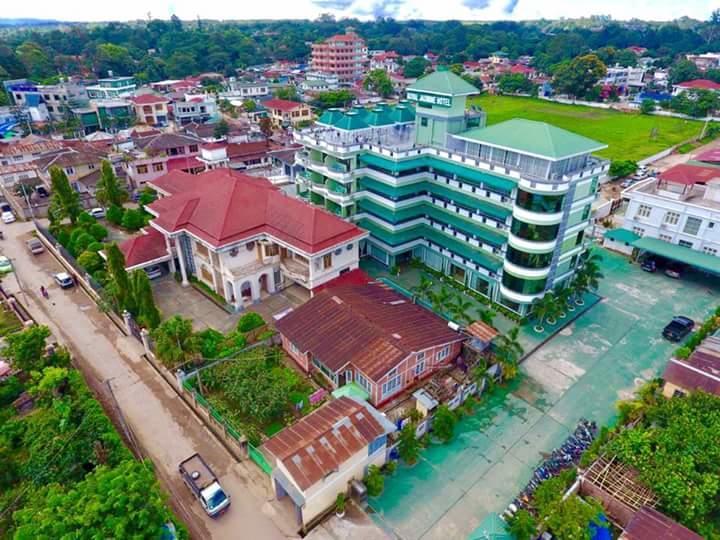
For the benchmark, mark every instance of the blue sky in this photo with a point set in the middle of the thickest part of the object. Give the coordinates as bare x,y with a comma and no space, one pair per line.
400,9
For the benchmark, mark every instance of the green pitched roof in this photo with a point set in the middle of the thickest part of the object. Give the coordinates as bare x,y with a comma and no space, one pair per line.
535,138
330,116
351,120
402,114
444,83
378,117
698,259
621,235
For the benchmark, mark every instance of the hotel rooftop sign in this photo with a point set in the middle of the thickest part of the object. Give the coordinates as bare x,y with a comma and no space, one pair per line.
429,99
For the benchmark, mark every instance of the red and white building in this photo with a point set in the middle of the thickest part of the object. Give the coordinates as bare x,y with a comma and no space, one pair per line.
344,55
370,335
151,109
148,158
285,113
696,84
243,237
387,60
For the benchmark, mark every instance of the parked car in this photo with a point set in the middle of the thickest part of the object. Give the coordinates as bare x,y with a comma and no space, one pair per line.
97,213
42,191
35,246
678,328
674,270
204,485
7,217
154,271
649,264
5,265
5,207
64,279
627,183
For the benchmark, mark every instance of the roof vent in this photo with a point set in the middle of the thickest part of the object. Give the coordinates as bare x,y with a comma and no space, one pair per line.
396,302
397,336
337,300
296,459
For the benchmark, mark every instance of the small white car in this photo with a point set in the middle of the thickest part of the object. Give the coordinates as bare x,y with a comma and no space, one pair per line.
7,217
5,265
97,213
64,279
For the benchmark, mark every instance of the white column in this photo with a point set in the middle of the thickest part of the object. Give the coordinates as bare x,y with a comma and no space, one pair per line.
181,258
255,288
238,297
170,252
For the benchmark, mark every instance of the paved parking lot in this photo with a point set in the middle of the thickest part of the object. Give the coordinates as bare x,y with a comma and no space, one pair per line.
600,358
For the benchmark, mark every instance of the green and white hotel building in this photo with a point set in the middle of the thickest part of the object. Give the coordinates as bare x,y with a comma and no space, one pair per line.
503,209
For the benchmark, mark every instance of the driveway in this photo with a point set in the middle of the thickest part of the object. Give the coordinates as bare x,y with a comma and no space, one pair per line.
166,429
600,358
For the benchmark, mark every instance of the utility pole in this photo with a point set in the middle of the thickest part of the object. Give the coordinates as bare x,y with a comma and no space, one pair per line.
27,200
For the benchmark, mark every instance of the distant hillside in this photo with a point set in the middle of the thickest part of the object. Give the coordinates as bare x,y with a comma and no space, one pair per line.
28,22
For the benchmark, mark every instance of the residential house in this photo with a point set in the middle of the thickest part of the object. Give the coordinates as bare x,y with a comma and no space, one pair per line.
315,86
112,87
705,61
318,457
284,113
12,174
246,239
343,55
696,84
148,158
701,371
109,115
81,165
27,150
58,98
195,108
332,82
245,89
677,215
388,61
371,335
151,109
648,523
238,156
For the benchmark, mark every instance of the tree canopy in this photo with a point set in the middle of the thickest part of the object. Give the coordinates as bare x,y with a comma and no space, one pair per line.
65,201
109,190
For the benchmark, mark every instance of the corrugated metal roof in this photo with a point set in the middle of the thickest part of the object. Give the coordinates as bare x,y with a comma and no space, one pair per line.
649,524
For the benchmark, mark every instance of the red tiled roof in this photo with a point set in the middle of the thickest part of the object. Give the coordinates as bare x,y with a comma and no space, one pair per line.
247,149
483,331
709,156
147,99
184,162
370,326
282,104
344,37
700,84
213,145
519,68
649,524
353,277
320,443
143,248
699,372
689,174
223,206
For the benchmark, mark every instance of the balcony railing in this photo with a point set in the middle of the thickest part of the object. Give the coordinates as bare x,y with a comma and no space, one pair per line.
295,269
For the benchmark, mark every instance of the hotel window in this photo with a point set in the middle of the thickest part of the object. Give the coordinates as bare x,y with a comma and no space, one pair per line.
643,211
201,249
710,250
666,238
692,225
142,169
672,218
69,170
158,167
392,386
193,148
420,365
639,231
327,261
272,250
443,353
685,243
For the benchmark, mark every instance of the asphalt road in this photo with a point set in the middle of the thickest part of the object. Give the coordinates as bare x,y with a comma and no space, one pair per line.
165,428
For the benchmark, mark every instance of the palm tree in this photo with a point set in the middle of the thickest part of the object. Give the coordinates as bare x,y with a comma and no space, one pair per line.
486,315
539,310
440,300
459,309
588,277
553,307
563,297
423,290
508,352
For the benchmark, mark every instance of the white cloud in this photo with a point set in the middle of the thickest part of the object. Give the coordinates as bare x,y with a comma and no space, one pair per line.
401,9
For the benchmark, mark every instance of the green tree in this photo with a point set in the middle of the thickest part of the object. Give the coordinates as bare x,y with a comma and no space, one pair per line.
266,126
36,60
523,525
26,349
119,286
90,261
181,64
374,481
120,502
133,219
221,129
423,290
457,69
175,342
443,425
508,351
65,201
148,314
415,68
115,58
622,167
409,446
147,196
475,81
98,232
109,190
115,214
378,81
647,106
569,519
287,92
459,309
250,321
578,76
516,83
249,105
683,70
334,98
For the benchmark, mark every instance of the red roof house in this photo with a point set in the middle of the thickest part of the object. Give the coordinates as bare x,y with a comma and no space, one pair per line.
699,372
689,174
649,524
371,335
145,249
699,84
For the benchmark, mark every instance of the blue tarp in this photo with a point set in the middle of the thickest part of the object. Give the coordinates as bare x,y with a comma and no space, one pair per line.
598,532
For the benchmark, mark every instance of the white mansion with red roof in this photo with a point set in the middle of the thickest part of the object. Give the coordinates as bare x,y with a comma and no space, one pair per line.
242,236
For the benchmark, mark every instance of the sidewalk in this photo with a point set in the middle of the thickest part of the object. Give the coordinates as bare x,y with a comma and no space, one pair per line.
166,429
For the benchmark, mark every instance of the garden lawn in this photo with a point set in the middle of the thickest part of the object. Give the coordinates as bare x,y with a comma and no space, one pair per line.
628,135
9,323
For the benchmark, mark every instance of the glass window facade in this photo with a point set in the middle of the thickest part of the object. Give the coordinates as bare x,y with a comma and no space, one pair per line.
528,260
522,285
543,204
534,233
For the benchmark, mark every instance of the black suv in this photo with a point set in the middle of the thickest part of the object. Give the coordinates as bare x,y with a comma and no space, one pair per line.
678,328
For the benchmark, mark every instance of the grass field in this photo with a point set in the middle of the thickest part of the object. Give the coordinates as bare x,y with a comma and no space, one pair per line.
628,135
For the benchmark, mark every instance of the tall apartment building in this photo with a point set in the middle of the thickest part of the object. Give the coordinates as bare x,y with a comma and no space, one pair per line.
343,55
112,87
502,209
